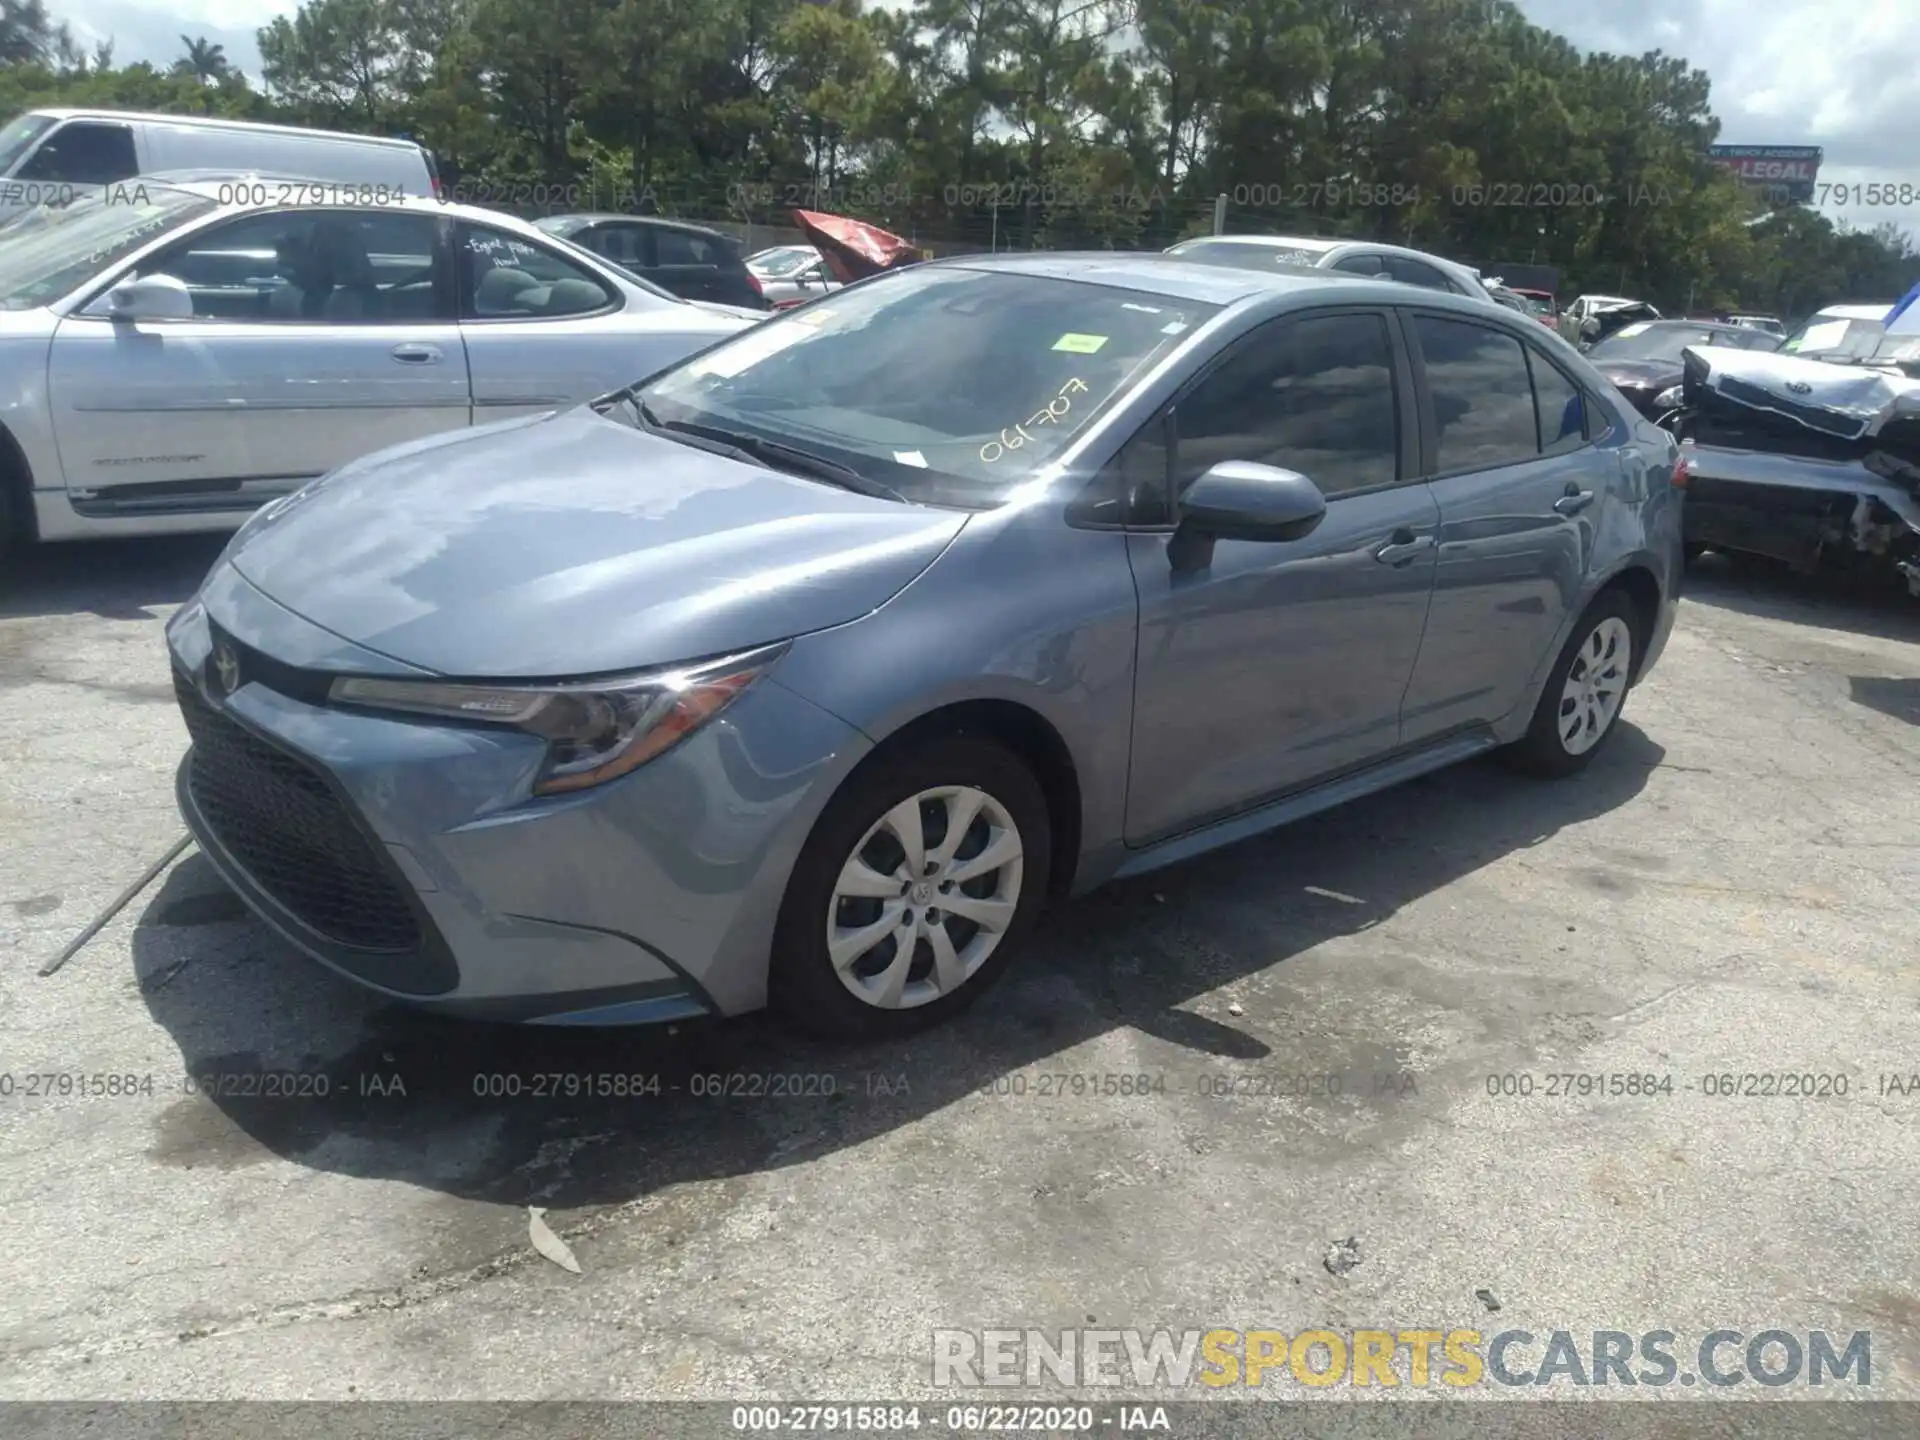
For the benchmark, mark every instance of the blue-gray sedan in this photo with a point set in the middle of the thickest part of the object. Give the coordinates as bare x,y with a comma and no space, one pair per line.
804,671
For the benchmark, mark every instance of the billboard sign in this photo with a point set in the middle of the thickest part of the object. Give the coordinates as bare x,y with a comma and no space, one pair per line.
1785,172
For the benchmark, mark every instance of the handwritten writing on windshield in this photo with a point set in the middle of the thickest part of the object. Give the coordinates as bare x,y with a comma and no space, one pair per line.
1014,437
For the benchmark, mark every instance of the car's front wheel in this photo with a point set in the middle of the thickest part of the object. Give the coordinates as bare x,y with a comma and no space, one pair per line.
1580,707
913,891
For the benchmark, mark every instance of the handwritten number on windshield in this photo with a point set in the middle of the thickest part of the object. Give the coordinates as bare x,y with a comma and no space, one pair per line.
1014,437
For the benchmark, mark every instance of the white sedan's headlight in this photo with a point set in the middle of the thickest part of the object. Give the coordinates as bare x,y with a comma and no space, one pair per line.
595,730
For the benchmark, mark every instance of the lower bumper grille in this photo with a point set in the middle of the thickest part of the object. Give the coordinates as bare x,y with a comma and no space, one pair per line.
283,824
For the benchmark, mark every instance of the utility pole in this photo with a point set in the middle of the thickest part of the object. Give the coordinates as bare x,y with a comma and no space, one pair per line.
1219,214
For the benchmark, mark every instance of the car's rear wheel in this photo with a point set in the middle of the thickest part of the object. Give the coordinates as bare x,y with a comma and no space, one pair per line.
1580,707
913,892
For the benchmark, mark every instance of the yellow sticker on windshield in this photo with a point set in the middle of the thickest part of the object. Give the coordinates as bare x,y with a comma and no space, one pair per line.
1080,344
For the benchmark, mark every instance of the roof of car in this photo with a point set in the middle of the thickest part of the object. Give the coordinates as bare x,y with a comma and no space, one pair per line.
661,222
1158,273
1178,278
224,188
216,122
1272,242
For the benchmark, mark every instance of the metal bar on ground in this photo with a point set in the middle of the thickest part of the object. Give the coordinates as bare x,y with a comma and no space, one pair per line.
100,921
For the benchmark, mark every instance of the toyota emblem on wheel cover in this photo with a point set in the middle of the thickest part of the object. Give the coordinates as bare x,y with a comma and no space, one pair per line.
1799,387
226,668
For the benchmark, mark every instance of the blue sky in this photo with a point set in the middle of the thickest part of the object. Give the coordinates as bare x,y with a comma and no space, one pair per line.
1785,72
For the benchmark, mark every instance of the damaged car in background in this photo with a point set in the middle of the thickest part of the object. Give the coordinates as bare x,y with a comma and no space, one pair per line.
1814,462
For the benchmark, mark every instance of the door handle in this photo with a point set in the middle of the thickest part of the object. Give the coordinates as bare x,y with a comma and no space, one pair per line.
1574,501
416,354
1402,547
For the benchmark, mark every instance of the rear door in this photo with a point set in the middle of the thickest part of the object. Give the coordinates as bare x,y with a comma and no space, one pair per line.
318,335
689,264
1508,455
542,330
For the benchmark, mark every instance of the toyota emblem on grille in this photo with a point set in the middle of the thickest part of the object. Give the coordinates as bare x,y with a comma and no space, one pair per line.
1799,387
226,668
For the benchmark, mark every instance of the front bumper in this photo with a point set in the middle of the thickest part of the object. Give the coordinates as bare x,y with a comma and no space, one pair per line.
1801,509
409,856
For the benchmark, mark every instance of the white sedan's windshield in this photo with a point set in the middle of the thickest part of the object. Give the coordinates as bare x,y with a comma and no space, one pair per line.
48,253
945,384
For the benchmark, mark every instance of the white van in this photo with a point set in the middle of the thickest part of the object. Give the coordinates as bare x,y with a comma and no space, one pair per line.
55,156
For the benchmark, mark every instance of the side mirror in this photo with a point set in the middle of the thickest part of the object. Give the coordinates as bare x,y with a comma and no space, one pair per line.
152,297
1242,500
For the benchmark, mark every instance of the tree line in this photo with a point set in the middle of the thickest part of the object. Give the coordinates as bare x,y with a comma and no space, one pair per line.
1453,125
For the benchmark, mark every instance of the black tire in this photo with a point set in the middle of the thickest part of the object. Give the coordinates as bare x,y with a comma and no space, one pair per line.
1542,751
803,985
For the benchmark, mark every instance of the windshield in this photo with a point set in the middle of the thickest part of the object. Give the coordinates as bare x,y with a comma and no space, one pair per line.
1666,342
778,263
46,254
1536,305
1825,338
19,135
950,386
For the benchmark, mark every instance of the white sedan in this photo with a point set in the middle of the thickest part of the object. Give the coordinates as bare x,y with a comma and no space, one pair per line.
174,353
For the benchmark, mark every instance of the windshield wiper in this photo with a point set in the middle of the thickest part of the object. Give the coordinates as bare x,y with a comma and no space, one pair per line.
771,453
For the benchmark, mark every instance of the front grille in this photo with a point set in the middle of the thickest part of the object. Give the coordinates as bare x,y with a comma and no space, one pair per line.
282,822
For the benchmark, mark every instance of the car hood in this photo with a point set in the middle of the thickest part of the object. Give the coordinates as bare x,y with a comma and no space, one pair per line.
1845,402
572,545
1638,374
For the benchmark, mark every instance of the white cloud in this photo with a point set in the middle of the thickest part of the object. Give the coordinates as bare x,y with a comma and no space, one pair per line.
1786,72
150,30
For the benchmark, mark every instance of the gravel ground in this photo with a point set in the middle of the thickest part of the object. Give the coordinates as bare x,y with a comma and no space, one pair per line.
1729,890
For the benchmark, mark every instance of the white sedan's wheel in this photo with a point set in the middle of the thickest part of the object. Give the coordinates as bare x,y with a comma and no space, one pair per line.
925,897
1596,683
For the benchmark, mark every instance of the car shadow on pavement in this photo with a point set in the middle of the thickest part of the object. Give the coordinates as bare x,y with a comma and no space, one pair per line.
299,1064
1899,698
1876,607
114,579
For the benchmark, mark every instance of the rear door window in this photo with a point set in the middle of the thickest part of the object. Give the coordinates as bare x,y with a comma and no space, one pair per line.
1559,407
1482,394
505,277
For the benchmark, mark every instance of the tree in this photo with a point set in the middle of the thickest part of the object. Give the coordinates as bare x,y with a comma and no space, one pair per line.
27,35
205,61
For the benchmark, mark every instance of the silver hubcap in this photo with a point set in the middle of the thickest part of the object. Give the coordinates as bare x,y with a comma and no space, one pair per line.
925,897
1596,685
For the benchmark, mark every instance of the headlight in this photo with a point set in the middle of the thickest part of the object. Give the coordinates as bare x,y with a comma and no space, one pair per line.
1670,398
595,730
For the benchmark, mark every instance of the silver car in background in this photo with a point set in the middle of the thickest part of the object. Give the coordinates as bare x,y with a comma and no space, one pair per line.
175,352
1368,258
791,275
805,671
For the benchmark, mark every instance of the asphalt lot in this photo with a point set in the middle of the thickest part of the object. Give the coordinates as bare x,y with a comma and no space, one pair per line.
1730,889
